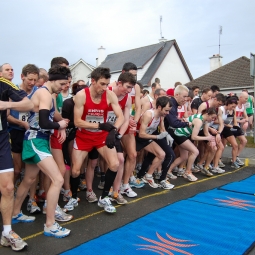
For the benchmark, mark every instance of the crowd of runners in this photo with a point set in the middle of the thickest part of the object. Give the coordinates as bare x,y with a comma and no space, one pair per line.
54,135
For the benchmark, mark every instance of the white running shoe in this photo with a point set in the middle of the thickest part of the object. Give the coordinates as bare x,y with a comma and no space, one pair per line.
127,191
151,181
73,202
56,230
217,170
22,218
106,204
32,206
13,240
91,196
190,177
166,185
171,176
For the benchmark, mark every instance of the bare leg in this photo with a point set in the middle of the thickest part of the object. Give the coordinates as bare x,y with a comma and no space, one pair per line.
7,199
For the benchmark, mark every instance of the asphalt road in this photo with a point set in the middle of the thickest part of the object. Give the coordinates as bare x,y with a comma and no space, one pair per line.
90,221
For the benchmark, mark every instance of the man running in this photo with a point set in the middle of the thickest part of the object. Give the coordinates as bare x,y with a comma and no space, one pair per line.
90,113
36,151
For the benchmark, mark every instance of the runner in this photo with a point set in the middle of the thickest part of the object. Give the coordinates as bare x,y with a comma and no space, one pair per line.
90,113
250,111
154,142
184,137
20,102
17,127
36,151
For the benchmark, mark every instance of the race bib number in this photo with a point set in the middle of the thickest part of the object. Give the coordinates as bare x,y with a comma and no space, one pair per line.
94,119
111,117
247,105
23,116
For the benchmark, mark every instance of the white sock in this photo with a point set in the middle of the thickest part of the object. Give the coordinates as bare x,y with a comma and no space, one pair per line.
45,203
148,175
6,230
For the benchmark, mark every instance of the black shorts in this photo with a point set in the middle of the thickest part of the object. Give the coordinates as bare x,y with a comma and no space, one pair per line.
226,132
6,163
141,143
178,139
250,114
238,131
17,137
94,154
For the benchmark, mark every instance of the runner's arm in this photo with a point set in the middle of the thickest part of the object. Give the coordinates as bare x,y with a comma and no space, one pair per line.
137,103
145,120
126,114
113,100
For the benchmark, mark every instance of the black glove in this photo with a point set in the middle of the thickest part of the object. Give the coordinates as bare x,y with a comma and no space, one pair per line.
110,139
106,126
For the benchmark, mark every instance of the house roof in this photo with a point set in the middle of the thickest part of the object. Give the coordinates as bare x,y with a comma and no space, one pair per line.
141,56
232,75
81,61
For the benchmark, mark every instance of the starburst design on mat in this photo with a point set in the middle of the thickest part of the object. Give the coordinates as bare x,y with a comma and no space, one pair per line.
234,202
165,246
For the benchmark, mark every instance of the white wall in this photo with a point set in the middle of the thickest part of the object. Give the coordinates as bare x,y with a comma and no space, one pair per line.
171,70
80,72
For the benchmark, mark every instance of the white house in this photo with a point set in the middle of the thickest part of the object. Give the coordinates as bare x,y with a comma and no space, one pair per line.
163,60
80,70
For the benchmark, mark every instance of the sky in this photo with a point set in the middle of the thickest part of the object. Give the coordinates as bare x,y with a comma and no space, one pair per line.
36,31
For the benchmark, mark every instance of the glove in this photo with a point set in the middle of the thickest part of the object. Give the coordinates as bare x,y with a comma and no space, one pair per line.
106,126
110,139
169,140
162,135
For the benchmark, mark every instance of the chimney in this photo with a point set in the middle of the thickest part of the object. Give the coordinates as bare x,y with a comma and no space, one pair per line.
101,56
162,40
215,62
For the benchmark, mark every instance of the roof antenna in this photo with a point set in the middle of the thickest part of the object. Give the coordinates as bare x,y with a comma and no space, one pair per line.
160,21
220,33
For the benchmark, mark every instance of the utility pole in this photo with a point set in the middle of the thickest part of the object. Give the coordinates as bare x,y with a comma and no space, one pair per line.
160,21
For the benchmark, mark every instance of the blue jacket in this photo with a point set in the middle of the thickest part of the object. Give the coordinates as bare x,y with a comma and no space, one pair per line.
171,119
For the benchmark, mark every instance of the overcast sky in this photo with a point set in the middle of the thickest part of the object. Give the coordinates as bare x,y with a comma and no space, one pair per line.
36,31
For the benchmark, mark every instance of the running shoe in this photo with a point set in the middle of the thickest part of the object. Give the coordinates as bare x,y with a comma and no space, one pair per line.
206,172
32,206
190,177
166,185
195,169
235,165
82,184
22,218
56,230
136,183
128,191
119,199
67,196
91,196
13,240
239,162
151,181
106,204
60,215
220,164
217,170
180,172
171,176
73,202
101,185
